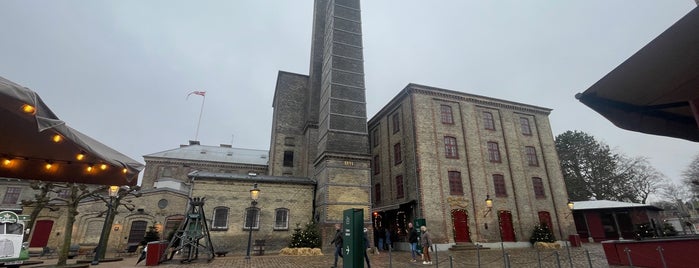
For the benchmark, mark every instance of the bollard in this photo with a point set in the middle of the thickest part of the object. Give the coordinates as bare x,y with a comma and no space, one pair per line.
662,258
390,257
538,257
436,256
570,258
589,261
558,260
451,261
478,255
507,260
628,256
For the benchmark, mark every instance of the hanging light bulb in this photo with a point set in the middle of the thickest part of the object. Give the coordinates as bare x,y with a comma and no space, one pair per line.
89,168
125,170
48,165
57,138
103,166
6,162
28,109
80,155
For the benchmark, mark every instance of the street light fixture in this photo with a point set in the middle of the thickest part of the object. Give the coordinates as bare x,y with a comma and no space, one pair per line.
112,191
254,195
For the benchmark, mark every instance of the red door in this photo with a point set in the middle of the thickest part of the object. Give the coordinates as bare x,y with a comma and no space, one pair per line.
506,228
460,221
42,230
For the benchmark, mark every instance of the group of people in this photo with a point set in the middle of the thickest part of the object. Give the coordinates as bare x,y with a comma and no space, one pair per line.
413,238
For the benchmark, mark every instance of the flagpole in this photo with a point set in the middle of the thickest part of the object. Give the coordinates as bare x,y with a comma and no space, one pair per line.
196,136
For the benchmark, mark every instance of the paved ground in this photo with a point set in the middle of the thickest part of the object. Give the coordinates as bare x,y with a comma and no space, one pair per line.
491,258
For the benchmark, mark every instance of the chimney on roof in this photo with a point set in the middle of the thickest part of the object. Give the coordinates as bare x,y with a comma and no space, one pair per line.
191,142
226,145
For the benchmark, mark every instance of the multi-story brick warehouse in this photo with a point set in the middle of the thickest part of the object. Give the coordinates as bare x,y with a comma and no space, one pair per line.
438,154
429,153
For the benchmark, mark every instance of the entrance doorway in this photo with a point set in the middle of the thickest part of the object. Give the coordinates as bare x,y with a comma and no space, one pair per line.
460,220
42,230
506,228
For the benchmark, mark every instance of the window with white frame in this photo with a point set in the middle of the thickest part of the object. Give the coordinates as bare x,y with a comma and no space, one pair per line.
220,220
281,219
252,218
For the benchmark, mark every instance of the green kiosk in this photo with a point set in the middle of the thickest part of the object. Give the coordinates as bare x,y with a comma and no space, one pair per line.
353,233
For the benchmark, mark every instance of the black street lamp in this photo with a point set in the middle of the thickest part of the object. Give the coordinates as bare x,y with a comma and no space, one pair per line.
113,192
254,195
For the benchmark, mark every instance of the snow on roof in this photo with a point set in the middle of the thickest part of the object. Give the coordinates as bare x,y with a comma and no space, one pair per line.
222,154
608,204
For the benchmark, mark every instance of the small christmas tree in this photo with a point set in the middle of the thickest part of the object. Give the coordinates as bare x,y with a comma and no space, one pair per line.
309,237
542,233
669,230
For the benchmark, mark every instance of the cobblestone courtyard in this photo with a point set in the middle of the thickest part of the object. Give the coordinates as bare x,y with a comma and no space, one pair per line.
490,258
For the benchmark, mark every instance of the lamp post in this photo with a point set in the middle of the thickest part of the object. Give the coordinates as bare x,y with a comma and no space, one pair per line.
489,205
254,195
113,191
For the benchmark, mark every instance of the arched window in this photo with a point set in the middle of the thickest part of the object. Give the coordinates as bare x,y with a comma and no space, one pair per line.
281,219
252,218
220,221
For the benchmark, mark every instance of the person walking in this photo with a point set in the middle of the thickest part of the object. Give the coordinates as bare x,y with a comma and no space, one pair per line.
412,239
426,243
337,241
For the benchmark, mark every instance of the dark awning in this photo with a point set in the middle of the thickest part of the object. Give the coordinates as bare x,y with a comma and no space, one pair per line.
655,91
27,145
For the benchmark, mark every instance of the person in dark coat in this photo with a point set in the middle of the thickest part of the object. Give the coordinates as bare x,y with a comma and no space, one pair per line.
337,241
426,243
412,239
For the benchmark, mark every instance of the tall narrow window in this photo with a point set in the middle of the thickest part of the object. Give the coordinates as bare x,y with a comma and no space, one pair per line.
288,158
499,184
446,114
377,193
538,188
531,156
281,219
399,187
252,218
396,123
137,231
488,122
397,157
12,195
524,125
493,152
377,164
456,186
375,137
220,218
450,148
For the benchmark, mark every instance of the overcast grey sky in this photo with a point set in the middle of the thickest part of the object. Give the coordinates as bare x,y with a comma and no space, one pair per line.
119,71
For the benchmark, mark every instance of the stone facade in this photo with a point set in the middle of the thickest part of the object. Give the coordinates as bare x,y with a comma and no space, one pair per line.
411,125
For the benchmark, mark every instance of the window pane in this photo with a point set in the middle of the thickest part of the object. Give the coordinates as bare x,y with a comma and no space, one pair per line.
524,125
220,218
538,188
12,195
396,123
377,193
493,152
446,114
488,121
455,183
531,156
377,167
281,219
499,184
399,186
397,158
288,158
252,218
375,137
450,148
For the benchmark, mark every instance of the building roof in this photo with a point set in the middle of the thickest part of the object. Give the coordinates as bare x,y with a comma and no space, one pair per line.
221,154
608,204
254,179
